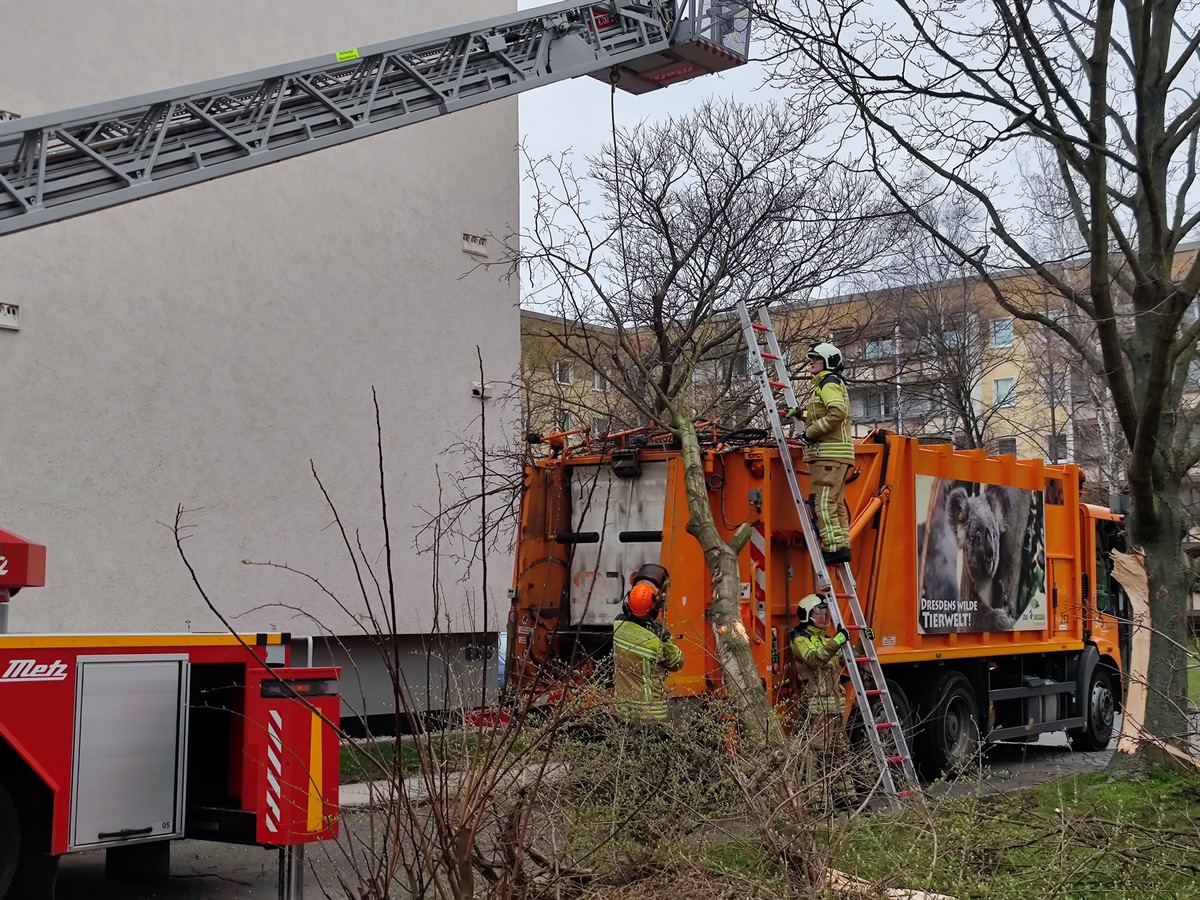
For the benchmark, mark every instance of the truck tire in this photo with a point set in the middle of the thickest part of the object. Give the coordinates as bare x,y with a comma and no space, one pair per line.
904,712
1101,709
948,740
908,721
866,774
10,839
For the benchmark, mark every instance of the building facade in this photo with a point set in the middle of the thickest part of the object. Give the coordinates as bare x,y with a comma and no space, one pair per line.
218,349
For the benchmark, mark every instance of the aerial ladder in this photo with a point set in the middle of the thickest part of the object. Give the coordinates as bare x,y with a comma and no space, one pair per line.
58,165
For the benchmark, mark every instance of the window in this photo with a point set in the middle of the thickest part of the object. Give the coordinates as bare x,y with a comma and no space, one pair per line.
945,403
877,349
952,338
880,405
1089,449
601,426
741,364
1004,393
785,359
599,381
1002,332
562,420
1006,446
1056,448
562,371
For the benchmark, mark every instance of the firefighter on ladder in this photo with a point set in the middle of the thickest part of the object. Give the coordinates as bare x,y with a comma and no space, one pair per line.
643,652
828,432
822,700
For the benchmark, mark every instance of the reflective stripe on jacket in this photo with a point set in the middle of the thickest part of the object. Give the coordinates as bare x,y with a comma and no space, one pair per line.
828,418
818,664
643,654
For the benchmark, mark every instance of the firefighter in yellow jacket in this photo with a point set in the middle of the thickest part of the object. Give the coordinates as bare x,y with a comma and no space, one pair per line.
643,652
818,660
828,432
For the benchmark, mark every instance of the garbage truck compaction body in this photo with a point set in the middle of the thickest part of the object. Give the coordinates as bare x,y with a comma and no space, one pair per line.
986,580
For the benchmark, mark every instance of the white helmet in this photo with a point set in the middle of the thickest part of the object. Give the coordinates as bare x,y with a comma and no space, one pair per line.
828,354
804,609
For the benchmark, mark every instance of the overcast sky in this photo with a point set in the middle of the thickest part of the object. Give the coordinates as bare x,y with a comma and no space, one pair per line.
574,115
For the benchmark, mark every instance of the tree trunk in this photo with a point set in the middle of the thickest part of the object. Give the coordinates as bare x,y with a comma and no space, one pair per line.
1159,532
742,682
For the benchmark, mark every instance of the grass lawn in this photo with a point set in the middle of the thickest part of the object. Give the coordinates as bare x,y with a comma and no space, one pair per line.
1087,836
375,758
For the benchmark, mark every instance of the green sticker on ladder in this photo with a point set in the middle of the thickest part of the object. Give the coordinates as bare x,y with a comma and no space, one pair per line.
347,55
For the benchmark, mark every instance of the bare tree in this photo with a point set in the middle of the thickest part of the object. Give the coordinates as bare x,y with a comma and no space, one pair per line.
944,100
670,228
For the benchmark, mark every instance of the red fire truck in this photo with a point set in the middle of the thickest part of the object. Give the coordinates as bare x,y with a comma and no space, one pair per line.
125,742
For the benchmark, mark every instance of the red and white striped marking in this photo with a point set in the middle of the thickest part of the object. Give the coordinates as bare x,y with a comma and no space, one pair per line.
758,564
274,769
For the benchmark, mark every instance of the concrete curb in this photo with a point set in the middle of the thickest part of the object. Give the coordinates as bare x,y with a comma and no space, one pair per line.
379,793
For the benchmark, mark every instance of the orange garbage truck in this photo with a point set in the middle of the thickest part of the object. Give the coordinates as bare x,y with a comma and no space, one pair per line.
987,582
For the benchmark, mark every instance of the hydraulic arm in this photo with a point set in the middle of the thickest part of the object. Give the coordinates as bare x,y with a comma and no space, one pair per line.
59,165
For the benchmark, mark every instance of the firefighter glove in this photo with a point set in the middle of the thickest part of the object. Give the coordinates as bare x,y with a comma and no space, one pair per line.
868,632
842,636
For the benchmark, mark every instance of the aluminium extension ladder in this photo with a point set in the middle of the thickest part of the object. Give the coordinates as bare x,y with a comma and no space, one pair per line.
893,758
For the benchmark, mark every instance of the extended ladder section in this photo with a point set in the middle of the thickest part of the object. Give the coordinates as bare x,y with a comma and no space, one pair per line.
880,722
64,164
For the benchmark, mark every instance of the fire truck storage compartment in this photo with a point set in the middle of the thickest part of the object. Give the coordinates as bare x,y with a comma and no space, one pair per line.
214,810
130,740
618,526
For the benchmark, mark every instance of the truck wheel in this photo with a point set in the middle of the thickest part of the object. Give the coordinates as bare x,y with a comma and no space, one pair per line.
866,774
904,712
949,737
36,877
1101,709
908,720
10,839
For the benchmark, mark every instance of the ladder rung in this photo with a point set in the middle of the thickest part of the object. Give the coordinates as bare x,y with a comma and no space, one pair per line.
777,384
905,793
896,759
862,659
758,327
874,692
768,355
882,725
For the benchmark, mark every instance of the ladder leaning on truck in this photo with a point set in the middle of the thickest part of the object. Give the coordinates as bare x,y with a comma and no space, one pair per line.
252,757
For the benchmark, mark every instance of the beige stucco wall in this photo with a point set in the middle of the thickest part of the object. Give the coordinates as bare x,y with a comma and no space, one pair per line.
199,348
